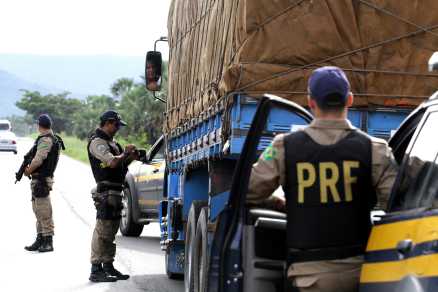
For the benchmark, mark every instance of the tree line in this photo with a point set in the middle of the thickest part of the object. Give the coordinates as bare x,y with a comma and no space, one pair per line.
76,117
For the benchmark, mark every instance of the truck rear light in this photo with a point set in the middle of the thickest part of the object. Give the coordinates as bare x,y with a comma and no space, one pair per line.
14,142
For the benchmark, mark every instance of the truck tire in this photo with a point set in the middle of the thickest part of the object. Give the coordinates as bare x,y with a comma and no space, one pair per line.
127,225
192,219
200,263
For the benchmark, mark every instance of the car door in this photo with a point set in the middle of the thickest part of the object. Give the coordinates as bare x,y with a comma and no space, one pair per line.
235,263
402,251
149,179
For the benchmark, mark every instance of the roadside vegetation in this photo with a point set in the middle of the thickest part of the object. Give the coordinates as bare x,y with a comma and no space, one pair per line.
77,118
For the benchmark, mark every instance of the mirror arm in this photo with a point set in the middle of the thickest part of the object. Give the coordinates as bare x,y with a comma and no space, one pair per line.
161,39
158,98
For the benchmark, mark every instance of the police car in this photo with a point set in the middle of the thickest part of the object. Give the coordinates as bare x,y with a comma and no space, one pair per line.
143,191
402,251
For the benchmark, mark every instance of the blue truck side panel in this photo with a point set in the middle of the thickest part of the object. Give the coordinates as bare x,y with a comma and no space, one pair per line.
195,188
380,122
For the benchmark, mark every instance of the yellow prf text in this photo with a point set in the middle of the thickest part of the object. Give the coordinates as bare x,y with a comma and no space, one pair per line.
328,174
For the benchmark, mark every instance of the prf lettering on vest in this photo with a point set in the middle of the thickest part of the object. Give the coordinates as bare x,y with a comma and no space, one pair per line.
328,175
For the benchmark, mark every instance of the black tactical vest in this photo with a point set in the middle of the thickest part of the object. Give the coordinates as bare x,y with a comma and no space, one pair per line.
48,167
329,193
102,172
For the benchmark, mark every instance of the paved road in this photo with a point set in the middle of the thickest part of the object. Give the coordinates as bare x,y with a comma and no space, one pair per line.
67,268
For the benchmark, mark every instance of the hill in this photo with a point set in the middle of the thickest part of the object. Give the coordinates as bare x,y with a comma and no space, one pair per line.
84,75
10,86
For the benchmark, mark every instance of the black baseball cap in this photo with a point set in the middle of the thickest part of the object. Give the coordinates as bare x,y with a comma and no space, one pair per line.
44,121
329,86
112,115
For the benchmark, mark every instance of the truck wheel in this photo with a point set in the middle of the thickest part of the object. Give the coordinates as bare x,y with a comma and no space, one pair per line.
194,212
200,263
127,225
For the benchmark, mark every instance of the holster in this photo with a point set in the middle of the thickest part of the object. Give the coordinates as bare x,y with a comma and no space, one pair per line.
108,201
40,188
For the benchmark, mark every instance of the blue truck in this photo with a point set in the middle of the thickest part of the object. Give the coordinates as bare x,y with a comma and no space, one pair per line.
237,78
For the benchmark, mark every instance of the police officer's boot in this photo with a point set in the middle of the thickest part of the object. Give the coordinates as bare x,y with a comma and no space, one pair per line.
37,243
109,269
99,275
47,244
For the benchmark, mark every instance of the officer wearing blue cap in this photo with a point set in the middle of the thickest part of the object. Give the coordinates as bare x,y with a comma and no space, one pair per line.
332,175
45,154
109,163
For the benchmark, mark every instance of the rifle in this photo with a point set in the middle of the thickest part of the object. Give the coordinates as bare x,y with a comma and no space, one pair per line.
26,161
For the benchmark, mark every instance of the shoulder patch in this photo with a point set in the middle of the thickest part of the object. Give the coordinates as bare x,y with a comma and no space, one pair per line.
101,148
270,153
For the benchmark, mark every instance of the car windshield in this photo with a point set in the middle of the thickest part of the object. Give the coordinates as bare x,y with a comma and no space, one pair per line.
160,153
418,178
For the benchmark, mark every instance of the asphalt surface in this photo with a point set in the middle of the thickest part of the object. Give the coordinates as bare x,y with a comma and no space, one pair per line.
68,267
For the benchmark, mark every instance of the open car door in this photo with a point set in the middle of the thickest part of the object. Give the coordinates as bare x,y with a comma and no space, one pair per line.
243,256
402,252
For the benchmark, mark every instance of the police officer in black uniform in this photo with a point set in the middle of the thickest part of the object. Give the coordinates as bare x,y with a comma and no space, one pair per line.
109,163
44,157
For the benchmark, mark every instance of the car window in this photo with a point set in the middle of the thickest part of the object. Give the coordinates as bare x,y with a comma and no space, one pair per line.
418,179
4,127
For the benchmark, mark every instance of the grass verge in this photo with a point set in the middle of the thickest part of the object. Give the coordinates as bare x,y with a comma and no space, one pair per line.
75,148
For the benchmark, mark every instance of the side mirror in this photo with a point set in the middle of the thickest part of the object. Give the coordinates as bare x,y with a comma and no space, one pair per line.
143,155
153,71
433,62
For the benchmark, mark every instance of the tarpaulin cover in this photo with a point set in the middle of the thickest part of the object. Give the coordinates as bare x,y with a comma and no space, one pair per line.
271,46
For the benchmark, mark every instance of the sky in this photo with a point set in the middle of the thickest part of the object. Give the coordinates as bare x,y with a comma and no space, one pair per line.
82,27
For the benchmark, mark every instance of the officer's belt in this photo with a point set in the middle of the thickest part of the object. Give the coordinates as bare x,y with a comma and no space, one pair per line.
325,254
39,176
104,186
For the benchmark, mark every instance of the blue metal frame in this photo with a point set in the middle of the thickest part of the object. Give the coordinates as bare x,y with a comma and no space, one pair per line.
175,258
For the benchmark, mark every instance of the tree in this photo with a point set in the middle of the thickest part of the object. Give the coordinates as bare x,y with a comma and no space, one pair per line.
138,107
140,110
60,108
121,87
87,119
